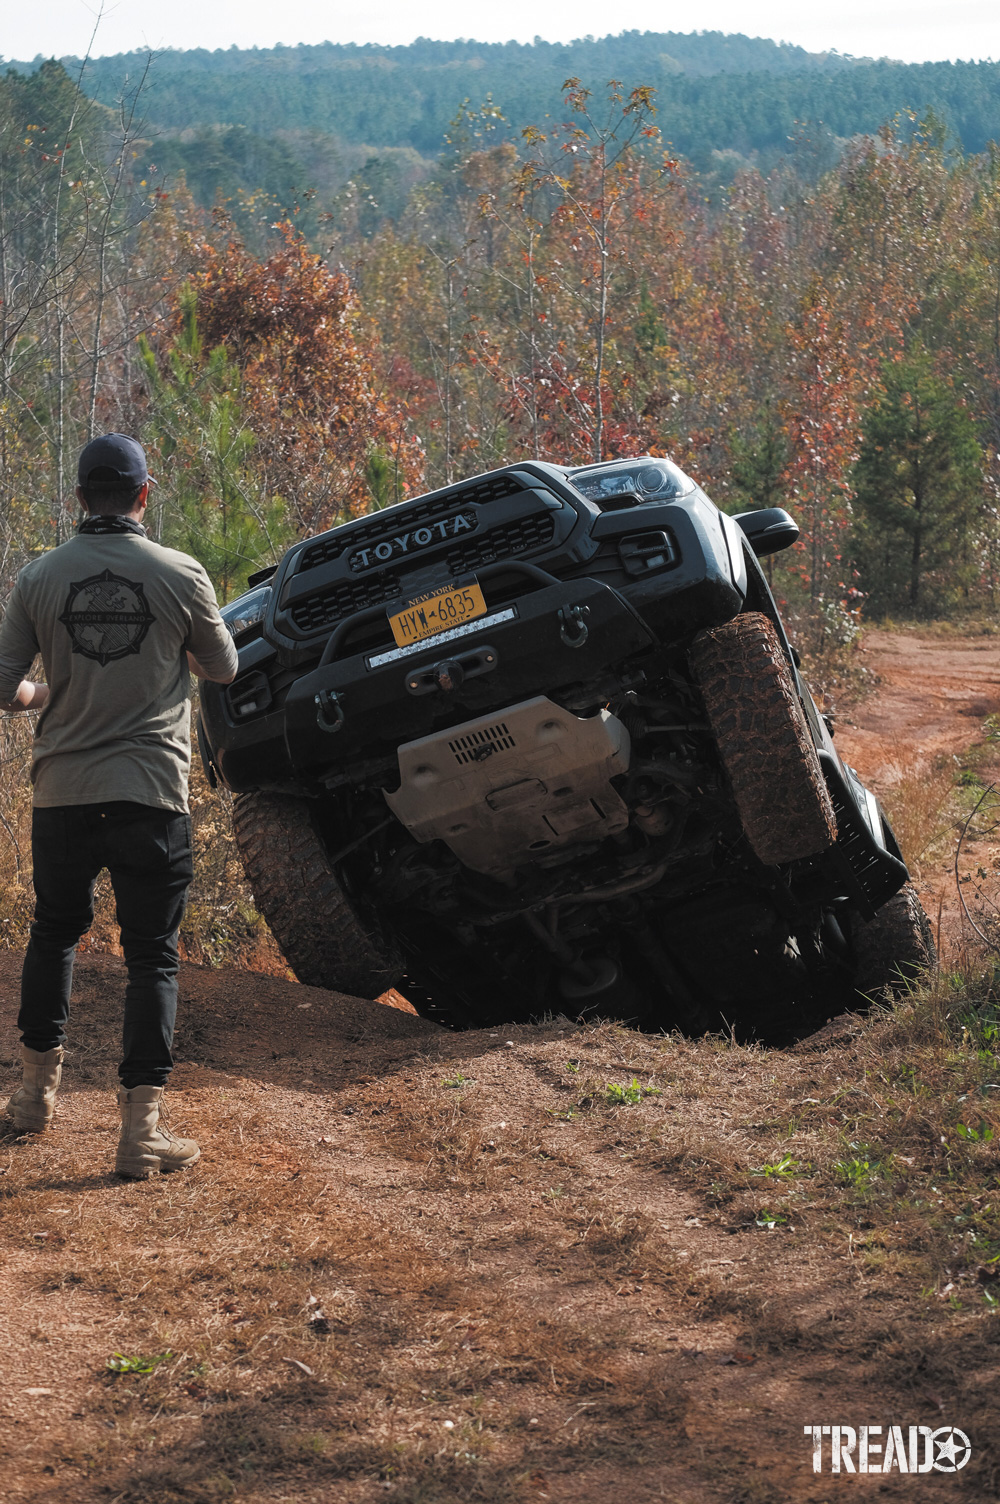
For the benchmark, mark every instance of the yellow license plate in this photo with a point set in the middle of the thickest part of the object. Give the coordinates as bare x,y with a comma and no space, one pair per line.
428,615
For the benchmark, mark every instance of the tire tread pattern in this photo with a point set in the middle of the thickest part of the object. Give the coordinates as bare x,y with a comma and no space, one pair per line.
297,891
893,948
763,739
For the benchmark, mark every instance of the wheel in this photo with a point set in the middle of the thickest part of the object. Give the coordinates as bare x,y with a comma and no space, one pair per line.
894,947
324,940
438,1005
471,982
763,739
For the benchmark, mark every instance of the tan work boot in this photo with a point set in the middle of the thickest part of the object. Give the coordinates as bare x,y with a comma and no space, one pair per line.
147,1145
33,1105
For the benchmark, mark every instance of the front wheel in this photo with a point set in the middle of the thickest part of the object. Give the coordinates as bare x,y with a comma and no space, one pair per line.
763,739
326,943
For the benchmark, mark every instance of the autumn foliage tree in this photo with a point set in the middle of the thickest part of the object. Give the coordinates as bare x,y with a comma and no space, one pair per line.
578,214
316,396
570,292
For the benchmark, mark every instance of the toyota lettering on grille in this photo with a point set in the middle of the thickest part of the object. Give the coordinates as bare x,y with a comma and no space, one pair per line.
411,542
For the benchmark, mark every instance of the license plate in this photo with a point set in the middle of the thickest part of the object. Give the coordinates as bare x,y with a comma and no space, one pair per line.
428,615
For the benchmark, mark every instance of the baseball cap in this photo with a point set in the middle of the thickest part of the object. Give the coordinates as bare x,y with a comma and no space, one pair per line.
123,457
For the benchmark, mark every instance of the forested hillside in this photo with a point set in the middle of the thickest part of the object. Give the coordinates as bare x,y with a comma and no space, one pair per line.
716,92
829,341
405,96
714,89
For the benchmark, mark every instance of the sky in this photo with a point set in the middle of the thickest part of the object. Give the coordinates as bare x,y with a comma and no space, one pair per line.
916,32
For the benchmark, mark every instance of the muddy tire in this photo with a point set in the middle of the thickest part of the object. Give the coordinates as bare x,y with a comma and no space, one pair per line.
323,939
763,739
893,948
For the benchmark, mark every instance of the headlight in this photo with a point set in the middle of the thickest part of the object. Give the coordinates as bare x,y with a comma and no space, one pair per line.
247,610
647,479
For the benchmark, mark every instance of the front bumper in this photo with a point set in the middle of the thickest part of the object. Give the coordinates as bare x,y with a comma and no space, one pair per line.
360,708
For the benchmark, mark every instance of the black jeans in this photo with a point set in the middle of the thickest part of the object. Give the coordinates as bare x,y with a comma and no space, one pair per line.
147,852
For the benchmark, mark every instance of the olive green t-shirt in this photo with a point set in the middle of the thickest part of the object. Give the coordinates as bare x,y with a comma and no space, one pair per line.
112,615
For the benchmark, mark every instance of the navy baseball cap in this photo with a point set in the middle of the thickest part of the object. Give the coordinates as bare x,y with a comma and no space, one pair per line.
121,458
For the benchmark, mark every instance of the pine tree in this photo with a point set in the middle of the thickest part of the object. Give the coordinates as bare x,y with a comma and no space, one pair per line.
917,481
759,462
218,509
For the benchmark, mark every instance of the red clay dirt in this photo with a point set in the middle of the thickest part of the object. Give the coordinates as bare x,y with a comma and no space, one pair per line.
932,698
526,1293
932,695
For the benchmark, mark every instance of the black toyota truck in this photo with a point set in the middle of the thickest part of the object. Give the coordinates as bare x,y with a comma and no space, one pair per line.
536,743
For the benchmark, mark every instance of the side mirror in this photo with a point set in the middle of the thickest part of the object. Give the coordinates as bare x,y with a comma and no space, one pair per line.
769,530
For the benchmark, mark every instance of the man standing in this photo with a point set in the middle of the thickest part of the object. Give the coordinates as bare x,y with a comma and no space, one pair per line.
118,621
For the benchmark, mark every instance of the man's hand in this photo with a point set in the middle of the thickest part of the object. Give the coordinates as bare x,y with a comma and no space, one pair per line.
29,696
202,673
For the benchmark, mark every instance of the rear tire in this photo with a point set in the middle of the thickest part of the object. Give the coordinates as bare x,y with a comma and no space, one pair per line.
763,739
324,940
893,948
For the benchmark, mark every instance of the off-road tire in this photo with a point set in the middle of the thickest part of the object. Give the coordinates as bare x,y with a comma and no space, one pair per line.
763,739
323,939
893,948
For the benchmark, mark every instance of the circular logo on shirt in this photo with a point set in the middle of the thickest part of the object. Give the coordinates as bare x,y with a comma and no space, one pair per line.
107,617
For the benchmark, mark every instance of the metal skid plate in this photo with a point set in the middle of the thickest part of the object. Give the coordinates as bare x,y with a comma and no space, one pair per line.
509,787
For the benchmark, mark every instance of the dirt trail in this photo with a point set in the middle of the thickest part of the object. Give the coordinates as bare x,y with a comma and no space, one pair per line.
443,1268
933,696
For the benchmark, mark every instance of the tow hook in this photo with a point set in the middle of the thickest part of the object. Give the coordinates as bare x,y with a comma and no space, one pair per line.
573,630
329,710
449,675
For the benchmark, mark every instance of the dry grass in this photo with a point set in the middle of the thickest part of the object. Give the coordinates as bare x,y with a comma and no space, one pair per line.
221,924
956,625
919,796
832,663
16,898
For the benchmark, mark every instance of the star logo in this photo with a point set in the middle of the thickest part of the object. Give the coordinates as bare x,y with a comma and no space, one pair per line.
952,1449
